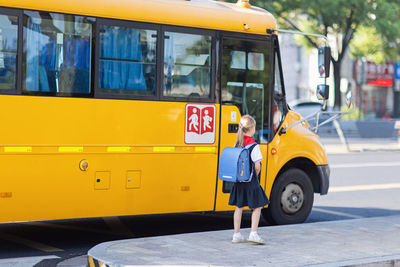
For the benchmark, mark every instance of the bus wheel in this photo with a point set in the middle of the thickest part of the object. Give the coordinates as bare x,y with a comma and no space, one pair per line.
291,198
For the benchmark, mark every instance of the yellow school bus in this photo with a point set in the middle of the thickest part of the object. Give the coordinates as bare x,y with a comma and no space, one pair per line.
114,108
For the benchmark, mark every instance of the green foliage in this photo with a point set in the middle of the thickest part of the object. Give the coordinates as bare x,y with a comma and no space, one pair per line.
355,114
365,44
379,40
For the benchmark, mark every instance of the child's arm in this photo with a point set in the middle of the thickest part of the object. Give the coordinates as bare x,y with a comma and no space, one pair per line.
257,166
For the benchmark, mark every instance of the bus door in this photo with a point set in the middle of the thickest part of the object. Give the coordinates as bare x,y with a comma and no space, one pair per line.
246,71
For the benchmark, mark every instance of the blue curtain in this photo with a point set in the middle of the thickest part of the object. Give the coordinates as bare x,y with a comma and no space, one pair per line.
122,44
37,62
76,52
82,53
33,35
48,57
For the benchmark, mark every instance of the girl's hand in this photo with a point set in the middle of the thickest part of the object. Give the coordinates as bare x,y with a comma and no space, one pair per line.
257,166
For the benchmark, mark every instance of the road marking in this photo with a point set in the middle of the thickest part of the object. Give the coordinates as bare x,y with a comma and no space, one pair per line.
363,187
29,243
337,213
365,164
25,261
117,226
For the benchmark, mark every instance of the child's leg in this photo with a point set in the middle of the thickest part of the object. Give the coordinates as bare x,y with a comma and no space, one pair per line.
255,219
237,219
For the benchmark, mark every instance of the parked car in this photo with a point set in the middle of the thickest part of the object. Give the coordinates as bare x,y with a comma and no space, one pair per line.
308,107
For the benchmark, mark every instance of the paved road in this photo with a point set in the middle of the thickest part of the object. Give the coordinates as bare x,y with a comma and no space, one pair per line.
362,185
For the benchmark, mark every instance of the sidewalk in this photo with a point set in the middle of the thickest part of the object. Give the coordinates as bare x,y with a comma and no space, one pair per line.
365,242
334,146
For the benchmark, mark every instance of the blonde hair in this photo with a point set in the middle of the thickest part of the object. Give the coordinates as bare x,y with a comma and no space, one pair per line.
246,123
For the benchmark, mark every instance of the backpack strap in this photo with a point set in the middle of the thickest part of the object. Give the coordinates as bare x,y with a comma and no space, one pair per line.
250,147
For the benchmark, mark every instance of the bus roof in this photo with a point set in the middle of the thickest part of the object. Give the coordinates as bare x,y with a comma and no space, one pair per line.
207,14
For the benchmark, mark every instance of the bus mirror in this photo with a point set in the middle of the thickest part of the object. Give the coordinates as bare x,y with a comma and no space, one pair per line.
324,57
323,92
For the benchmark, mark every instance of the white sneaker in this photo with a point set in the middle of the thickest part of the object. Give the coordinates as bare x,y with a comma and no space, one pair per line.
238,238
255,238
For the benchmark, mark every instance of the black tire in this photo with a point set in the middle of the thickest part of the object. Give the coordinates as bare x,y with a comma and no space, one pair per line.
291,198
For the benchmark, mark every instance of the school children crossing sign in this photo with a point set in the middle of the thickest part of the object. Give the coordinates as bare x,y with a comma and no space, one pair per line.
200,124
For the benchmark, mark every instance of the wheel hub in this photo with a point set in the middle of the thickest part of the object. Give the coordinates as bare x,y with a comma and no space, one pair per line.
292,198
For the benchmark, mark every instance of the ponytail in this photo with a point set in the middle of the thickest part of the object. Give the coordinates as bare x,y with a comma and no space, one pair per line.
246,123
240,137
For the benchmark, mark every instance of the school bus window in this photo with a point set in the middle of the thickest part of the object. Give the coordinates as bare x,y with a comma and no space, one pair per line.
127,60
8,51
57,53
279,100
245,81
187,65
238,60
278,90
255,61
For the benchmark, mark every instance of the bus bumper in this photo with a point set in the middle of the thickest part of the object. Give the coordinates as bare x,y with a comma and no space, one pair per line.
324,173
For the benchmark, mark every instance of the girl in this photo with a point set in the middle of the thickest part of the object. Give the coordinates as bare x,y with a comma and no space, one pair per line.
250,193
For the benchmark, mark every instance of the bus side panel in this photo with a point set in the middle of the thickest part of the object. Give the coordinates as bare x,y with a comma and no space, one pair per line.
138,162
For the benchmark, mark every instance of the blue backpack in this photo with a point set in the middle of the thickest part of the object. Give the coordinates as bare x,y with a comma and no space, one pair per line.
235,164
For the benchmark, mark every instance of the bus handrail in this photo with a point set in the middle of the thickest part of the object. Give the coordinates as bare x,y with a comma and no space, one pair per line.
336,115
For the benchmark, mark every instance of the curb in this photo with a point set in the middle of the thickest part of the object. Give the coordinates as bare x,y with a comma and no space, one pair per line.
393,260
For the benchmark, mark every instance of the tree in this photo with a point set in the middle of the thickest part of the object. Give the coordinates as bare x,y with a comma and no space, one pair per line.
341,20
378,50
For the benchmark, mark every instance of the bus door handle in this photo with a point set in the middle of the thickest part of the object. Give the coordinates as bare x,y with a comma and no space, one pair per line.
233,127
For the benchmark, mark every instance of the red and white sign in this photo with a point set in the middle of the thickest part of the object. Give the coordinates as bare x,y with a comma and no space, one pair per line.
200,124
380,72
373,74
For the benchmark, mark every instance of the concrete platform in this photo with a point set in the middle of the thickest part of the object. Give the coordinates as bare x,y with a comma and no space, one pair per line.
359,242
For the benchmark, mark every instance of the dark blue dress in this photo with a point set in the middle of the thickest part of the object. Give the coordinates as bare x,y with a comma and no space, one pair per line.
249,194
